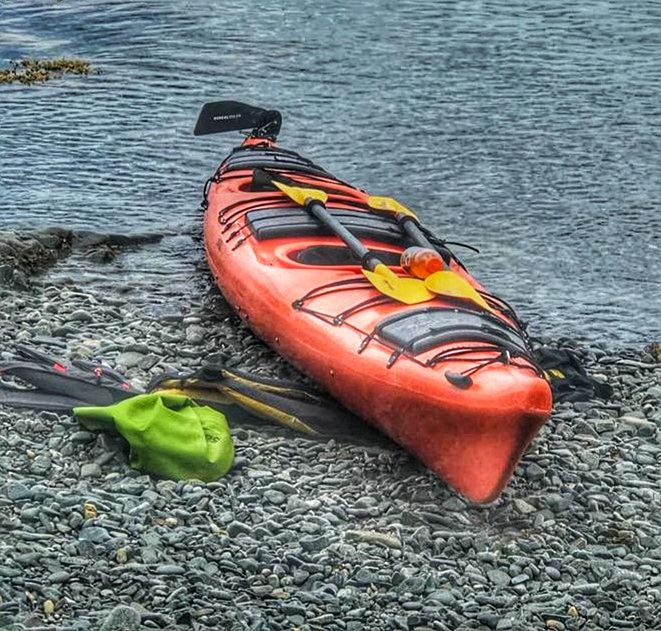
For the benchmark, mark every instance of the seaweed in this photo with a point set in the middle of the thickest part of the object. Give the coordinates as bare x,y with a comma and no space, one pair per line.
31,71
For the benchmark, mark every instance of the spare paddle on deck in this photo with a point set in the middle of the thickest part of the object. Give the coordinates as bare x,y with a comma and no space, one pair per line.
410,291
222,116
445,282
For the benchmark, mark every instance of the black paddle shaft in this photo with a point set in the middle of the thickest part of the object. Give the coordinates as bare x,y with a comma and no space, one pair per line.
409,226
321,213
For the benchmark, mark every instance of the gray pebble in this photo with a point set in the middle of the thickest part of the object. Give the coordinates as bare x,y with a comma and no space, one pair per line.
169,569
498,577
130,359
59,577
314,544
365,576
94,534
18,491
90,470
553,573
237,528
275,497
587,589
122,618
520,578
521,506
443,596
83,436
195,334
80,315
534,472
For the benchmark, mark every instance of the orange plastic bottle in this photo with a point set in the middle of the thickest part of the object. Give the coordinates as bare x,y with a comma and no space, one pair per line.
421,262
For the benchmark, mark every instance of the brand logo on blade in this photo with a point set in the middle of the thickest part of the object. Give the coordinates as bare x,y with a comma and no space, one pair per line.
226,117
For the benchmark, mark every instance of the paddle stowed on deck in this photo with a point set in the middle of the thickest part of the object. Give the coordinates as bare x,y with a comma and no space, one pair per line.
312,264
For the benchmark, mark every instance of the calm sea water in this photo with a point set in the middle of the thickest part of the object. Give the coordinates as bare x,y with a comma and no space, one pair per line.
530,129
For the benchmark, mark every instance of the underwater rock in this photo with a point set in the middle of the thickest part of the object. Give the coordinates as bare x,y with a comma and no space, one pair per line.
26,253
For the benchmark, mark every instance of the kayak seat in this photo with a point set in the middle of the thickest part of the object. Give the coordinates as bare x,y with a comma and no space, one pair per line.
338,255
419,330
277,223
264,158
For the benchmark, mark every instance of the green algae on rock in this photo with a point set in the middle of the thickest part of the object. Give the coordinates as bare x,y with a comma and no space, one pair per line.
30,71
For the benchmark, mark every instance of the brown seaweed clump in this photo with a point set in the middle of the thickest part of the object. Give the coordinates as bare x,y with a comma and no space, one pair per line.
654,349
30,71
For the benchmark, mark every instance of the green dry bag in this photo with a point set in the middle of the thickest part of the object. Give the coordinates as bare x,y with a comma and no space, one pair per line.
169,435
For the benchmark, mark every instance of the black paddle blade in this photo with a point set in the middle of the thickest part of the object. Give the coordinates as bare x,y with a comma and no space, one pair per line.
222,116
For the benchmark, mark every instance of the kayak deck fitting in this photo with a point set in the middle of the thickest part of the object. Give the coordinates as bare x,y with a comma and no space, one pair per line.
452,382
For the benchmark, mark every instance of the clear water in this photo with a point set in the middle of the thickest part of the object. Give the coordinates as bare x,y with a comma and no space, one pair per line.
529,129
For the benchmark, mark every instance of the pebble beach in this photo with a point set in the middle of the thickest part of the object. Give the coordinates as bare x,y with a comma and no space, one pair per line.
304,534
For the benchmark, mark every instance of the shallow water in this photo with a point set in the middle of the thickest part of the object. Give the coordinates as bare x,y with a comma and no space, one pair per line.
529,129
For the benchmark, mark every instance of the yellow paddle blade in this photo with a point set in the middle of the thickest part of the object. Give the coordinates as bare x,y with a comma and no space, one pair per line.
448,283
302,195
410,291
389,205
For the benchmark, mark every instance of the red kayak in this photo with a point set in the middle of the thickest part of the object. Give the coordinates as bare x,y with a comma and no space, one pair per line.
452,382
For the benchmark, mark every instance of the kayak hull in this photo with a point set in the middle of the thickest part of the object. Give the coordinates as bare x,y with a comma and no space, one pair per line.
472,437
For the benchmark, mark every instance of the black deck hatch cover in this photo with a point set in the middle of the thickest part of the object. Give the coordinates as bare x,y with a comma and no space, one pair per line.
420,330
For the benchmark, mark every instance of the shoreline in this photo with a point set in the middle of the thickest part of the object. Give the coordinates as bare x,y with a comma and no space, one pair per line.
311,534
